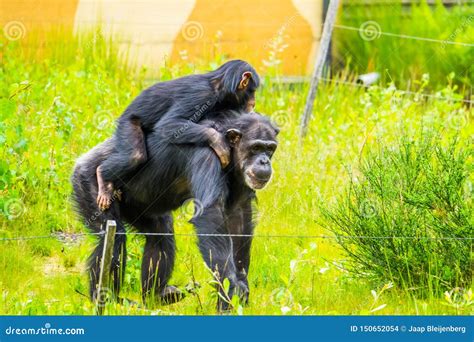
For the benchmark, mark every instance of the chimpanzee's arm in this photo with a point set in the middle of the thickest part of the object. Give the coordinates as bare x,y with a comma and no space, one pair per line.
179,126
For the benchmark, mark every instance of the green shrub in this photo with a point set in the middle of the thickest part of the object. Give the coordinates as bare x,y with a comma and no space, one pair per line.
420,190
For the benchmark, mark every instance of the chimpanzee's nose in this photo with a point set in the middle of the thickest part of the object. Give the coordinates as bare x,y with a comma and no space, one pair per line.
264,161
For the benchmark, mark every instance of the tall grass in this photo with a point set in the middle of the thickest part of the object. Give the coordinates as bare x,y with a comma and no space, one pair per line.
403,60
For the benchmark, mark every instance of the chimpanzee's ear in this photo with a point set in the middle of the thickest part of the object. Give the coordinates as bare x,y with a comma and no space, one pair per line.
244,81
233,135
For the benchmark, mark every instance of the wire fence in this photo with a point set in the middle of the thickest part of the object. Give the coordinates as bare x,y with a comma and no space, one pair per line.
401,36
399,91
267,236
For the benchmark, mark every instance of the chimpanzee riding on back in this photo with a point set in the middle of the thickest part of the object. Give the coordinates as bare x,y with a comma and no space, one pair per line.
173,175
173,110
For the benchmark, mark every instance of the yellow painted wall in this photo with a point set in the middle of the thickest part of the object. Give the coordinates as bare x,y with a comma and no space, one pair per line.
155,30
250,30
36,15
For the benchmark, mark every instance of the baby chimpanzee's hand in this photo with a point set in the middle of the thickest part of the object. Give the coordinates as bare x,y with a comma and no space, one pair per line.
221,148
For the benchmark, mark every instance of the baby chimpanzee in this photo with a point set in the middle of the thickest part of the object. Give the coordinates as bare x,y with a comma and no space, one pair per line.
174,109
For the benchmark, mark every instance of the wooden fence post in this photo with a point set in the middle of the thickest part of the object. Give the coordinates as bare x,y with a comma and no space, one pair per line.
103,289
319,63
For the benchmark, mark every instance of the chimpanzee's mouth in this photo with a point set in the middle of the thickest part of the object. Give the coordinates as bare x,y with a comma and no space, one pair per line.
254,182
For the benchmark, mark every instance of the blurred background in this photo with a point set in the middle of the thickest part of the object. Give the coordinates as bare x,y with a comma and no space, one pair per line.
283,34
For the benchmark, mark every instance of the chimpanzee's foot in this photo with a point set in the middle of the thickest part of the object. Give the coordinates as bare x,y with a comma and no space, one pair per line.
170,295
104,199
105,191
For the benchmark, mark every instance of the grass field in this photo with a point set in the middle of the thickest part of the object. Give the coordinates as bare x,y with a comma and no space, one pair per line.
59,102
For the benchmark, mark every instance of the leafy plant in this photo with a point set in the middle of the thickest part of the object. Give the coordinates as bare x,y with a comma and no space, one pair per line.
408,215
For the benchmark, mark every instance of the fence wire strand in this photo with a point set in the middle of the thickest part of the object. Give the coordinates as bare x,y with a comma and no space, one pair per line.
269,236
403,36
405,92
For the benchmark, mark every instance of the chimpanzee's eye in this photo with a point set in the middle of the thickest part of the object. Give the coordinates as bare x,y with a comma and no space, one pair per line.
256,149
270,150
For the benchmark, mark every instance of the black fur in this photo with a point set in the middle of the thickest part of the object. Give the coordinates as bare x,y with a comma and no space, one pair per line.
173,109
172,175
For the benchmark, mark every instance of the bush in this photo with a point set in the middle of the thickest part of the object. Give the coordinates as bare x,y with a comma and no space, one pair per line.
418,190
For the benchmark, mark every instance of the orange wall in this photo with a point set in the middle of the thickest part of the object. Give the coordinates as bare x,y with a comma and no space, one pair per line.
247,29
155,30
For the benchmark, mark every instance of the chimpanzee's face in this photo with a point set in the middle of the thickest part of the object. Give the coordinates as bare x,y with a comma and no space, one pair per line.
245,98
250,104
253,147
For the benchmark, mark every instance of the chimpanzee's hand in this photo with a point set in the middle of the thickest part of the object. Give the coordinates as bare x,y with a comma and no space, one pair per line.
220,146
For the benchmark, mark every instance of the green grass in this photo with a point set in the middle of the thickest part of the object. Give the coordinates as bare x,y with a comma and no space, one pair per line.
403,61
59,102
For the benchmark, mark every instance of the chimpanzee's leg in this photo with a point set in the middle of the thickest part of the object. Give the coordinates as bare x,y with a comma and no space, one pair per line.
158,260
240,222
218,253
118,263
129,152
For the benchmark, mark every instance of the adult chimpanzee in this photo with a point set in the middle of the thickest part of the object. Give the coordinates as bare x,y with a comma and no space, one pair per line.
174,174
173,109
